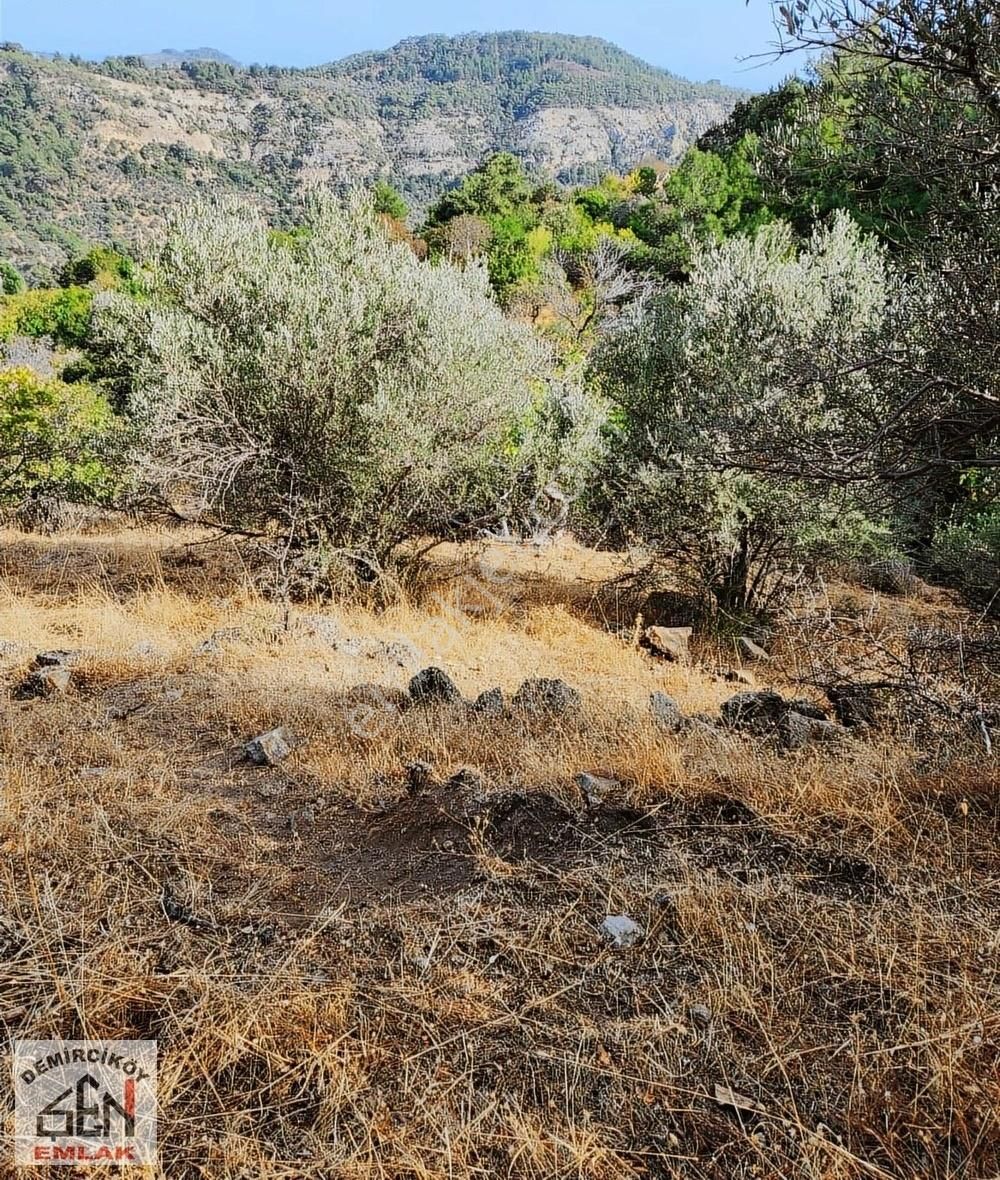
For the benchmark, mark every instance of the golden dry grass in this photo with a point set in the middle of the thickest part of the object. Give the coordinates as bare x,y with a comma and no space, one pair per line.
372,984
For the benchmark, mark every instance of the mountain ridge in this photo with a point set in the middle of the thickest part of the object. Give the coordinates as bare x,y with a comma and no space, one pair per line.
100,151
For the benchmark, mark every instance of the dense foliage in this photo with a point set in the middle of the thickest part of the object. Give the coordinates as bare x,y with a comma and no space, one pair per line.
332,387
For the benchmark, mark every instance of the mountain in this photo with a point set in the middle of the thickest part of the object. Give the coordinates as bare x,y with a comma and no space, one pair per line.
101,151
177,57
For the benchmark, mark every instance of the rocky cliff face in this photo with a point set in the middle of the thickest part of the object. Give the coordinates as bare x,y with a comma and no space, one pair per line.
98,152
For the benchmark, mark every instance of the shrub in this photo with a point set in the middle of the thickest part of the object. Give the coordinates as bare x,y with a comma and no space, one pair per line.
53,439
61,314
11,282
708,382
342,394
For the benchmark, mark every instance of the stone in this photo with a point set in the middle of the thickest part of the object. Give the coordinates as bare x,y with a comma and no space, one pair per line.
854,704
666,712
489,703
419,776
758,712
750,650
270,748
466,779
798,731
595,789
700,1015
807,708
56,659
546,696
669,642
621,931
434,684
52,680
738,676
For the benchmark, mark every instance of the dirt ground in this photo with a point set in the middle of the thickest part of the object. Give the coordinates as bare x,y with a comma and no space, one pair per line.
347,977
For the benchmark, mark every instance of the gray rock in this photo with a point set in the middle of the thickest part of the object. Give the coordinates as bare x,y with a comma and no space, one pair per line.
433,684
489,702
596,790
52,680
268,749
546,696
672,643
700,1015
621,931
666,712
750,650
798,731
756,712
807,708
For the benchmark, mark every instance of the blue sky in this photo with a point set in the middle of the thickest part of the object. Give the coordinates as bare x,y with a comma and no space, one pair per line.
699,39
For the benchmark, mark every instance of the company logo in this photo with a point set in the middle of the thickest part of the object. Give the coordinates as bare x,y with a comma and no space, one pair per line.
84,1102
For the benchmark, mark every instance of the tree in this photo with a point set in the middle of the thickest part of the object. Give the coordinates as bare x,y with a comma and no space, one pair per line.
386,200
11,282
341,396
54,439
710,382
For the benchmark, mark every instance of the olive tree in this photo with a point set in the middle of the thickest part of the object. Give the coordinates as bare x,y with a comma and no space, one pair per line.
329,389
711,382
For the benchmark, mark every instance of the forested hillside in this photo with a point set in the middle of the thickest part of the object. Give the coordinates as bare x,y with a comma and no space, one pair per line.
95,152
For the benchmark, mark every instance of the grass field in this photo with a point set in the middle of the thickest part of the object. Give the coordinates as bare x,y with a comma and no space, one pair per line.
349,979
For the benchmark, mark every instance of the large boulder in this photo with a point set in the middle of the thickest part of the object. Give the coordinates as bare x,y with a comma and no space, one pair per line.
546,696
489,703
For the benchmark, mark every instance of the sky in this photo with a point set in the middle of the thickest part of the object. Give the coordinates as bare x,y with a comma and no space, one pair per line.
698,39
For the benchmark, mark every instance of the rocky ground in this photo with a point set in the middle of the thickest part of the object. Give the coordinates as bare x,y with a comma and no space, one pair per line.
498,881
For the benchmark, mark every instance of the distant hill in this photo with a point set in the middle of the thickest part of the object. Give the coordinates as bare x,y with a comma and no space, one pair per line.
177,57
101,151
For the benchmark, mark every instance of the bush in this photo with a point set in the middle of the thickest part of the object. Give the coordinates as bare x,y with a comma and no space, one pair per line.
342,394
11,282
54,439
708,382
966,554
61,314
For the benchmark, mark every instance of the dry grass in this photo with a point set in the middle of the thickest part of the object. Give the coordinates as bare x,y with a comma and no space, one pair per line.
378,985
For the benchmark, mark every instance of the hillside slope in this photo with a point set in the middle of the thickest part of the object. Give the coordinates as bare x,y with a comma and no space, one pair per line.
99,151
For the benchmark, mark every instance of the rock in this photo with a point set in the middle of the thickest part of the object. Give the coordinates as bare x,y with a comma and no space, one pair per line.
268,749
798,731
56,659
595,790
700,1015
666,712
419,776
669,642
807,708
758,712
738,676
750,650
489,702
621,931
546,696
301,820
146,649
466,779
433,684
52,680
725,1096
854,704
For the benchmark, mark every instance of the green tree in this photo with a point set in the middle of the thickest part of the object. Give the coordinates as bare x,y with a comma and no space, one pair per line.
386,200
54,439
11,282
